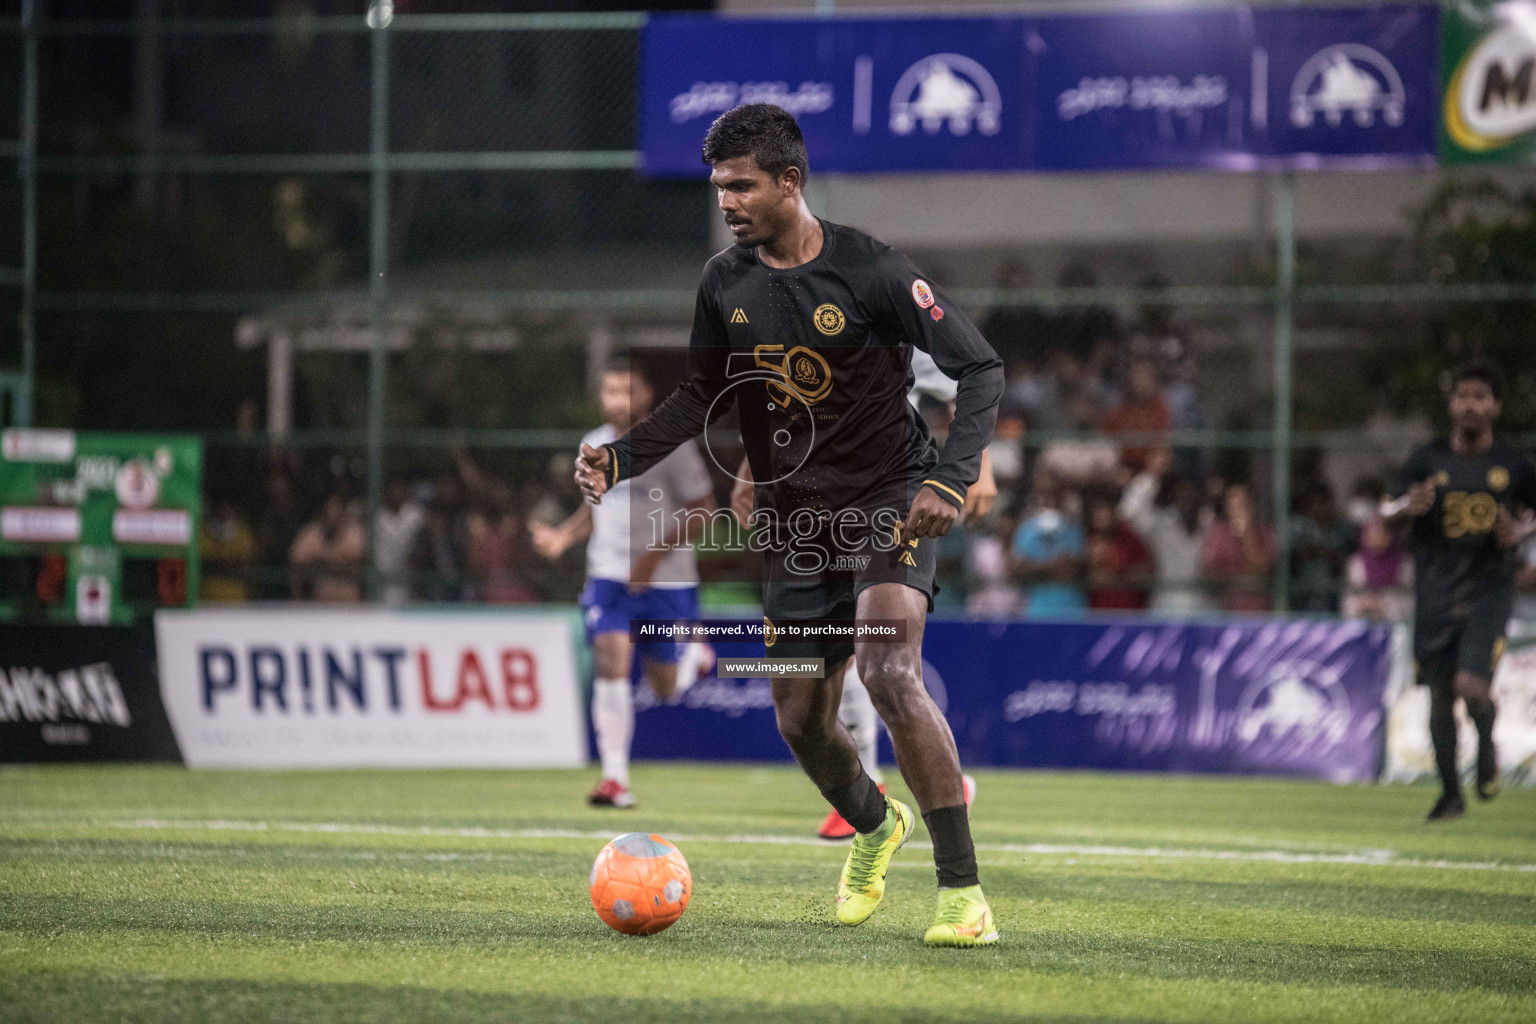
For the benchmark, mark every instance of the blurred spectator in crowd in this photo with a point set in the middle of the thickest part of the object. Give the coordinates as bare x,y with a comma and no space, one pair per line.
1079,330
1078,464
1006,452
497,548
1119,564
1320,544
229,552
1047,398
1175,531
1157,337
1032,392
1239,553
1048,550
991,592
276,531
1141,410
439,557
1016,331
327,556
497,536
397,527
1379,576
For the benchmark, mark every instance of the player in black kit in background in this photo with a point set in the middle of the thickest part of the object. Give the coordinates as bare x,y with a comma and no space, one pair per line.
807,327
1467,504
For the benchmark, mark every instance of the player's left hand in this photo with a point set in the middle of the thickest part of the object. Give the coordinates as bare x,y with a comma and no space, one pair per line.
1509,531
592,472
549,541
930,516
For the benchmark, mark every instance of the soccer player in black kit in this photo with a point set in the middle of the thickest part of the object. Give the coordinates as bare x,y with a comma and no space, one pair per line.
807,328
1466,504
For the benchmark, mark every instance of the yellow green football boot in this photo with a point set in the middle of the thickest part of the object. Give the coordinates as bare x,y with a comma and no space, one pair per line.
862,882
963,919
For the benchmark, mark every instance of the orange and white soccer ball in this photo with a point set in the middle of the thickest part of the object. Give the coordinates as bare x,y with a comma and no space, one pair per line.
640,884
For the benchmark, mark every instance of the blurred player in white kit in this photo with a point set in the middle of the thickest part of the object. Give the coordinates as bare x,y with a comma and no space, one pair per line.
632,576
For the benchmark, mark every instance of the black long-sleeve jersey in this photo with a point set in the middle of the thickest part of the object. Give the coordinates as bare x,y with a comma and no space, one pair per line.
818,360
1459,568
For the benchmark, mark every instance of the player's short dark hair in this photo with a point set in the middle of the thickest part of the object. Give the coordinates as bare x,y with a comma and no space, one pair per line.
624,361
763,131
1476,369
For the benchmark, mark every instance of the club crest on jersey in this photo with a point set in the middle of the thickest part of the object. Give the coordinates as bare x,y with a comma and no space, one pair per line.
937,312
829,320
740,316
922,294
1498,478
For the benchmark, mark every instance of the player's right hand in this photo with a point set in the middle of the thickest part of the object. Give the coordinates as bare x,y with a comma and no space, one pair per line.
592,467
548,541
1421,497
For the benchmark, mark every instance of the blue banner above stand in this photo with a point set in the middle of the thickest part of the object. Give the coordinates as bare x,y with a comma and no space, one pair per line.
1233,88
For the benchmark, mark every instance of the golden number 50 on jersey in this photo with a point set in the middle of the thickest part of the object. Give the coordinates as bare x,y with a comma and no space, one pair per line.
1469,513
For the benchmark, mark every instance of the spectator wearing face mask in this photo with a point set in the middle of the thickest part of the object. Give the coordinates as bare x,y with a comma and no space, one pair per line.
1048,550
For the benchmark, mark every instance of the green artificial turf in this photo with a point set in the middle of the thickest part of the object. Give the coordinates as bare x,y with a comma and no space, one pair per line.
158,894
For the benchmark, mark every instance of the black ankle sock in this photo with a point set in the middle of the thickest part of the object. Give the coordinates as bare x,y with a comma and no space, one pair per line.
954,856
861,803
1483,719
1442,732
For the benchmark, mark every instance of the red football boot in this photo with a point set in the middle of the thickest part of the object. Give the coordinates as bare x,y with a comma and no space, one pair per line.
611,793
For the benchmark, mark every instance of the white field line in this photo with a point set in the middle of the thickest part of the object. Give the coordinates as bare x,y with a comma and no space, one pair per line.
1363,858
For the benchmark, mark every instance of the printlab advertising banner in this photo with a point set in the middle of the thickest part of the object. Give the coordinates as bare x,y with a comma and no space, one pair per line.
1229,88
371,688
1299,698
81,693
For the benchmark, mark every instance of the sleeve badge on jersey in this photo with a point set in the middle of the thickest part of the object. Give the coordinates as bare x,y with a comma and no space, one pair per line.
937,312
922,294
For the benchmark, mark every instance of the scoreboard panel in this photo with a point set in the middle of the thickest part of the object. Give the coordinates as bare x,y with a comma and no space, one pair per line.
97,528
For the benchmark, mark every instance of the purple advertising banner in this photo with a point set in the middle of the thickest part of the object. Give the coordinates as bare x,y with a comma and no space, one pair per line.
1300,697
1273,697
1234,88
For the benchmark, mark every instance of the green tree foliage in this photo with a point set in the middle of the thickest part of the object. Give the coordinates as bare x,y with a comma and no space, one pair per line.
1469,232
